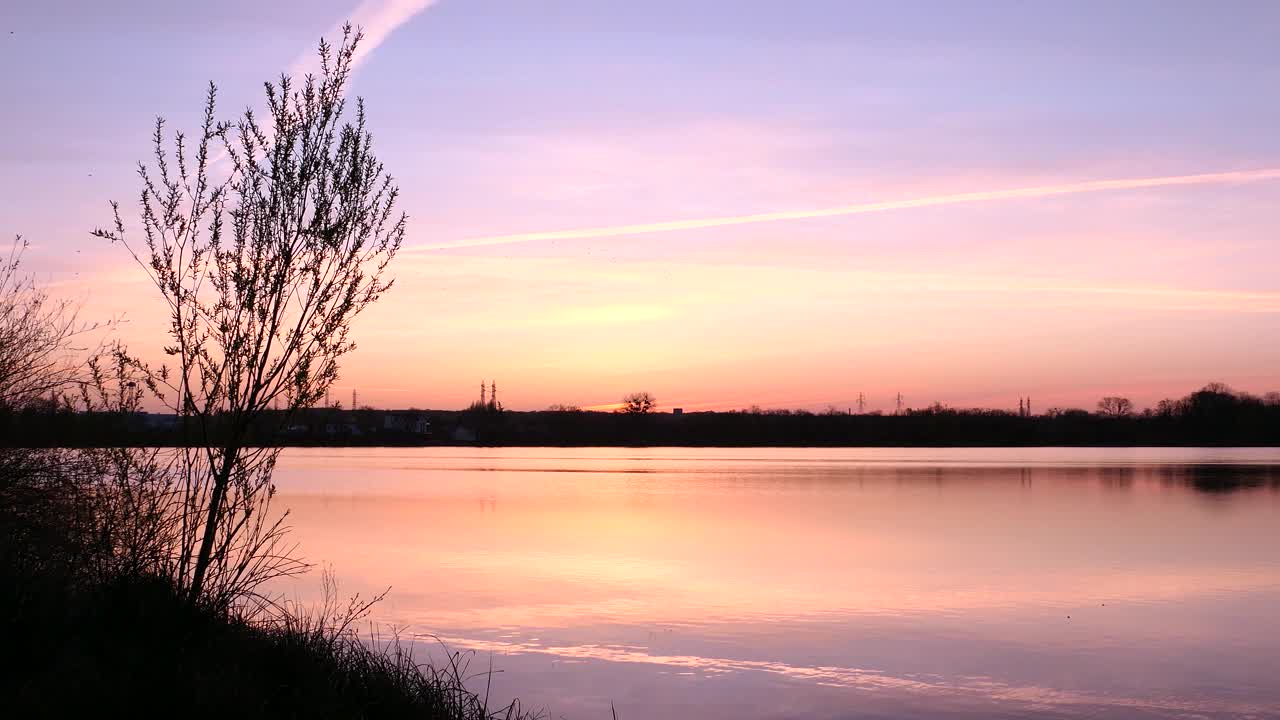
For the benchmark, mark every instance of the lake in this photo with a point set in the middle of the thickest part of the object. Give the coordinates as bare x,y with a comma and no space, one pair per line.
823,583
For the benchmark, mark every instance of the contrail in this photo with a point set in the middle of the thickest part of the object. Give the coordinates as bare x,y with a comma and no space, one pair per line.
1040,191
376,18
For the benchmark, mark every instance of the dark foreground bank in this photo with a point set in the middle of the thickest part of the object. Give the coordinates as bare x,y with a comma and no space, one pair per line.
88,633
129,647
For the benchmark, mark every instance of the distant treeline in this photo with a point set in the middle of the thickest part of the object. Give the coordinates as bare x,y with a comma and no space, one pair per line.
1214,415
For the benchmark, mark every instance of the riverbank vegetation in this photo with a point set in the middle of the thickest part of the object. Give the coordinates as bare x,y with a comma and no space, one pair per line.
133,580
1212,416
93,627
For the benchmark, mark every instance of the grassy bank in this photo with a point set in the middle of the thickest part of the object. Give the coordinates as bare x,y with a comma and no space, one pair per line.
87,635
131,647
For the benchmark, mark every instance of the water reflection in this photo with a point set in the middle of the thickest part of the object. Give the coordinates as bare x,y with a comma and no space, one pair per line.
1027,698
841,583
1222,478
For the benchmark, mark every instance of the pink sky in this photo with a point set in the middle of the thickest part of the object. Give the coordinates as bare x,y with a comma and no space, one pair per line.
529,146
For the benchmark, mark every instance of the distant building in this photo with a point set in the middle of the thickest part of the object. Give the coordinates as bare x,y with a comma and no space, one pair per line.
677,411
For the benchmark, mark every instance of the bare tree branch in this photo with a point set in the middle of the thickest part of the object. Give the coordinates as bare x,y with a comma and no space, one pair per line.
263,273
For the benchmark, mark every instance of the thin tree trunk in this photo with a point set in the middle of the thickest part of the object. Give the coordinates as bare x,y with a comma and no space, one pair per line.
220,482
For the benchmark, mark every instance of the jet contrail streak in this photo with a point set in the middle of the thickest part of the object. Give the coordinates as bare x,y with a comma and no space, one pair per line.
1040,191
376,18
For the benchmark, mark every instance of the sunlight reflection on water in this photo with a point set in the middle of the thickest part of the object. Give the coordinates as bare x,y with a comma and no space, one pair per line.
819,582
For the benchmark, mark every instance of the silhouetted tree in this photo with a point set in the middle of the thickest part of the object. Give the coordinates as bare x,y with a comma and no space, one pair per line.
638,403
38,493
1113,406
262,265
37,337
1210,402
99,510
132,494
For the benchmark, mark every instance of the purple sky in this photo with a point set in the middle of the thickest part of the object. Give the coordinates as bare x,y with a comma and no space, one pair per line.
508,119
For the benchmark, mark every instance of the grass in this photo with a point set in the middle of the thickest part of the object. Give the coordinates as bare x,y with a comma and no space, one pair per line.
79,637
131,646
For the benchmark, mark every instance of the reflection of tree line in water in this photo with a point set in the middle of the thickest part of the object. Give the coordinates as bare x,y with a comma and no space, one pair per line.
1204,477
1222,478
1209,478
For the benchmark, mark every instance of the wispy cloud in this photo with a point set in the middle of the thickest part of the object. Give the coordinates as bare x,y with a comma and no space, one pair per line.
377,18
532,291
1040,191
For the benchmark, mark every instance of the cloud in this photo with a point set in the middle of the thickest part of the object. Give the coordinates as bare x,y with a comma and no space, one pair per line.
536,289
1040,191
377,18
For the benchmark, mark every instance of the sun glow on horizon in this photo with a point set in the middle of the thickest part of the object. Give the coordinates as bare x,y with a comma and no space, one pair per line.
869,220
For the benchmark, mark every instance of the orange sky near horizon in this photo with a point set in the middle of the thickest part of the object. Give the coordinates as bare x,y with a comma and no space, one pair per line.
727,206
721,335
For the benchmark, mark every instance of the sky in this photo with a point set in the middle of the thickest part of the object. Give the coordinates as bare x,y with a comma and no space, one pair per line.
725,203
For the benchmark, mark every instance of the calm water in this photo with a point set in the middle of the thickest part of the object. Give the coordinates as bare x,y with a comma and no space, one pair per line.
859,583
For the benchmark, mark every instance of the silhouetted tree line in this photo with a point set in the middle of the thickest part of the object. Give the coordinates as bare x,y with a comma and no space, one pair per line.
1213,415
